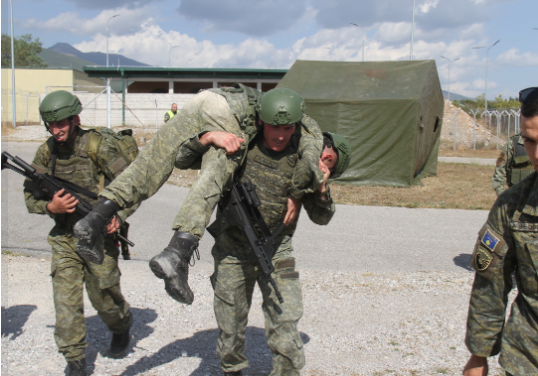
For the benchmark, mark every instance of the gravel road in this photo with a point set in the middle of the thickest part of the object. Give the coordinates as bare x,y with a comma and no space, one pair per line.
385,293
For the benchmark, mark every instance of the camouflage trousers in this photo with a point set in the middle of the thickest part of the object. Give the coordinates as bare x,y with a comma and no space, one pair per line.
69,273
233,281
207,111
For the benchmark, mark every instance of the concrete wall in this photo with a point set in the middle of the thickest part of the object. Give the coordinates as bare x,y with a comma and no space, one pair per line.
142,110
31,84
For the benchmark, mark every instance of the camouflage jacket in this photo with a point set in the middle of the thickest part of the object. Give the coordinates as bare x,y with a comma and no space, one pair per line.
272,174
74,165
502,176
507,245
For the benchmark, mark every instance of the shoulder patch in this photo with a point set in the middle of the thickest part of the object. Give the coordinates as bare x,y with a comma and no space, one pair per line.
489,240
482,259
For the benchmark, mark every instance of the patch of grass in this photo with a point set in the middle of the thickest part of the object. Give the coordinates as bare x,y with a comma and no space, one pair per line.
482,152
368,274
9,253
442,370
7,129
456,186
452,348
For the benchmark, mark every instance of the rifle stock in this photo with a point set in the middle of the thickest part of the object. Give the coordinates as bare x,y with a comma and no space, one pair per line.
49,185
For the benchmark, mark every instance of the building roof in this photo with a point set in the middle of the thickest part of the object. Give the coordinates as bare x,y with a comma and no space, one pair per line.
179,73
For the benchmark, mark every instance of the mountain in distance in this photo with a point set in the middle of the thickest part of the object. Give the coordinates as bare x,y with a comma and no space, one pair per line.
58,60
454,96
96,58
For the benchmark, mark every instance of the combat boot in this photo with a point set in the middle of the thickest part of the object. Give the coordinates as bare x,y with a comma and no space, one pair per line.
91,231
172,265
77,367
119,344
236,373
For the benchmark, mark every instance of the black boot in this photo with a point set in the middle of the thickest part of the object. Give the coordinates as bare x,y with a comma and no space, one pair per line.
91,231
119,344
77,367
172,265
236,373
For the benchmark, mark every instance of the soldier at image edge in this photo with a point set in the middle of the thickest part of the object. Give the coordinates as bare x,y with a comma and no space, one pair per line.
170,113
269,167
507,251
513,165
68,155
232,110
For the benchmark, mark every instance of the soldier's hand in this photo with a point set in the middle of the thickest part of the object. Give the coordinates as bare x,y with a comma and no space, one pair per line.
61,204
294,206
228,141
476,366
326,174
113,225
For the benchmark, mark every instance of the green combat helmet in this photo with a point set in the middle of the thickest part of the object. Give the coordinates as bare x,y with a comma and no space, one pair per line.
342,148
59,105
280,106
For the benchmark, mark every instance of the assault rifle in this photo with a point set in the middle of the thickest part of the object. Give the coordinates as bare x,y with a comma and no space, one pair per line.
49,185
240,208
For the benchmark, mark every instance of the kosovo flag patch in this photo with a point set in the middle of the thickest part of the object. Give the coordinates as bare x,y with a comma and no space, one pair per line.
490,240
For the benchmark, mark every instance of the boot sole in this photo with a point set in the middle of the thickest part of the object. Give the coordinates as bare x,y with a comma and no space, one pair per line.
86,252
159,270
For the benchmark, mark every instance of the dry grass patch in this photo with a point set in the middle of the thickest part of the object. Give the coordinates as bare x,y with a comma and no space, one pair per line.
7,129
481,153
457,186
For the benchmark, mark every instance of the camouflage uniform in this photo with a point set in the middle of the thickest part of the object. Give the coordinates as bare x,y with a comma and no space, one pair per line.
229,110
507,245
237,271
512,165
68,271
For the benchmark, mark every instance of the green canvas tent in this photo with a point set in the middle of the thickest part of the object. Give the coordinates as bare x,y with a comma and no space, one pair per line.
390,112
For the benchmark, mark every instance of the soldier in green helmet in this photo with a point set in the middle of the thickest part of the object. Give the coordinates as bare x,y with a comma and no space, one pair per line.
269,165
65,156
513,165
213,131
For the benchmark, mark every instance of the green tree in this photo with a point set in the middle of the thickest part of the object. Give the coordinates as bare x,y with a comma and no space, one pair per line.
26,51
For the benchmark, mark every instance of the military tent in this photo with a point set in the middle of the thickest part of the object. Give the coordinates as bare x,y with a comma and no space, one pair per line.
390,111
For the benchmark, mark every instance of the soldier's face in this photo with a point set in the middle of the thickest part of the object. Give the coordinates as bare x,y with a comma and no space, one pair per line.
60,130
277,138
529,132
329,157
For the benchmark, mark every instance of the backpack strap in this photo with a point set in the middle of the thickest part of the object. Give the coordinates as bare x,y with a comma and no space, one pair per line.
50,154
93,144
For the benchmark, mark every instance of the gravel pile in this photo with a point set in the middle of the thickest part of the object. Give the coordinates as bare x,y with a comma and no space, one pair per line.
354,324
465,129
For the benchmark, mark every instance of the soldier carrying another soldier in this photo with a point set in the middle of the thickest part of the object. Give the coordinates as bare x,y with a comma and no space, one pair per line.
232,110
269,166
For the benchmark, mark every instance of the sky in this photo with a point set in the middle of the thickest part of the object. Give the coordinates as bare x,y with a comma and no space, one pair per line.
275,33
